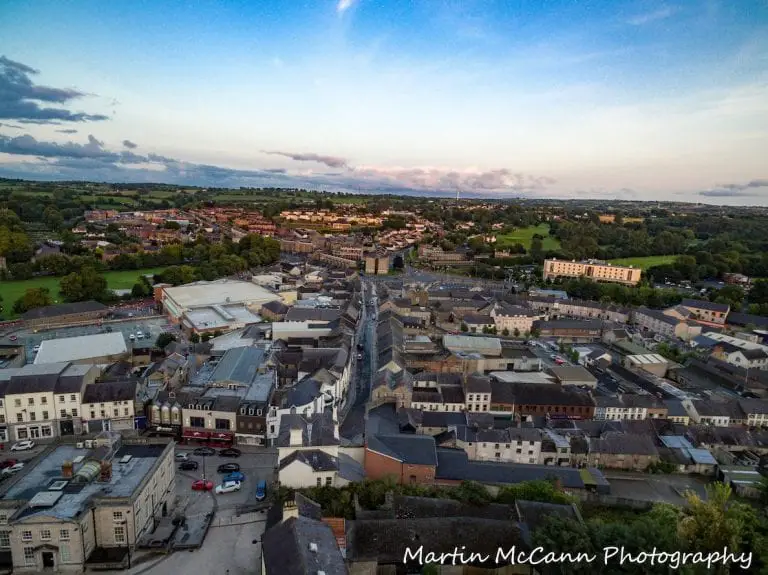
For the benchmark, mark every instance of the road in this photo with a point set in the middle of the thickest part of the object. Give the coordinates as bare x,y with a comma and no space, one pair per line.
353,423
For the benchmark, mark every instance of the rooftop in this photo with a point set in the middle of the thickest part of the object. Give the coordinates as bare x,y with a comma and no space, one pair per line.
300,546
81,347
52,311
40,475
202,294
220,316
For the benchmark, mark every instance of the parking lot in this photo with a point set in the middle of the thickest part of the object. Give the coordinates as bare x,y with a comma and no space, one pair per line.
153,326
256,465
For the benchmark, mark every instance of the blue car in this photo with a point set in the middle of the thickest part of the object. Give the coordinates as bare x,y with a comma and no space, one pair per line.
261,491
234,476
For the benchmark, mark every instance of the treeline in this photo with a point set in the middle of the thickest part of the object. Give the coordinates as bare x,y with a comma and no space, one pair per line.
583,288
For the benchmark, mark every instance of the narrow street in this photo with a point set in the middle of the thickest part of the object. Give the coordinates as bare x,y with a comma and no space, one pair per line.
353,421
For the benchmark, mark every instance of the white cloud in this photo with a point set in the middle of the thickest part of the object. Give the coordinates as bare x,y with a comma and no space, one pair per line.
653,16
344,5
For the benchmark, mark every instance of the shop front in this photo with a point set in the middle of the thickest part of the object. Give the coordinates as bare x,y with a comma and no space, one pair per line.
210,438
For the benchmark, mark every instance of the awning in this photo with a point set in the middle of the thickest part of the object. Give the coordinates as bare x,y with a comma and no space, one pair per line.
192,433
222,435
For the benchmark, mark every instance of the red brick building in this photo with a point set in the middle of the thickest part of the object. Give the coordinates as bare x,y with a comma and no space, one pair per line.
404,458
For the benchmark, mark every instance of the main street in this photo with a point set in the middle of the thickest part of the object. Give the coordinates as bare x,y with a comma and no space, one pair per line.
353,414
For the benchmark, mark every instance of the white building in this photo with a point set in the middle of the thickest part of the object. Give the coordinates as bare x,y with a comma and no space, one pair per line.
101,348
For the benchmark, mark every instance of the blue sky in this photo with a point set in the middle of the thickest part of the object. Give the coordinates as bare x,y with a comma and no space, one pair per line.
636,100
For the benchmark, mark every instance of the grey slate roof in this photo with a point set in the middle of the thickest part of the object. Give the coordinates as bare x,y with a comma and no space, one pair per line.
286,548
312,314
408,507
110,391
276,306
705,304
318,460
52,311
409,449
320,429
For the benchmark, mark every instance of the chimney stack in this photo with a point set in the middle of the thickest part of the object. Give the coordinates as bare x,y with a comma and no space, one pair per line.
67,469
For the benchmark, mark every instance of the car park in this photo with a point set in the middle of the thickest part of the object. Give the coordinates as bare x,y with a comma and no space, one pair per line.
201,485
189,465
235,476
204,451
228,487
228,467
13,469
23,445
230,452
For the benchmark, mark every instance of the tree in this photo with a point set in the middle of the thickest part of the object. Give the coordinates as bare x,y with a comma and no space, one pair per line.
194,338
574,356
86,285
463,327
535,332
32,298
139,290
537,248
563,535
505,332
516,332
164,339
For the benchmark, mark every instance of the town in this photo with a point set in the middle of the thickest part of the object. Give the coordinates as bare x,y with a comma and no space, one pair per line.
318,388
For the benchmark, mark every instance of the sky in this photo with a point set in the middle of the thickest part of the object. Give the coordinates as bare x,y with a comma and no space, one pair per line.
636,100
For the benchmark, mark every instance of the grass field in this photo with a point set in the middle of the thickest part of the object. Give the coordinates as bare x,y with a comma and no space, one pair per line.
13,290
525,235
645,262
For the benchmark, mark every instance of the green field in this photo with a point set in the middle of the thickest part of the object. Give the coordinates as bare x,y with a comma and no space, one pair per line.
644,262
525,235
13,290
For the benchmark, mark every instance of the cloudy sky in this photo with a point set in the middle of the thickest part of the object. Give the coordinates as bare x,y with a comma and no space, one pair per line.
636,100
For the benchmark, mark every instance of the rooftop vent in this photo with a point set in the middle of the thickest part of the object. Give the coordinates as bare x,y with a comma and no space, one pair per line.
57,485
313,547
125,459
78,459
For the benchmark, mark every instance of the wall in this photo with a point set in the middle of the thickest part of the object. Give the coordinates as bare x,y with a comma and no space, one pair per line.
298,475
35,525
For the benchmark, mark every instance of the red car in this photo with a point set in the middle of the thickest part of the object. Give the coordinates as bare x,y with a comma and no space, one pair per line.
7,463
201,485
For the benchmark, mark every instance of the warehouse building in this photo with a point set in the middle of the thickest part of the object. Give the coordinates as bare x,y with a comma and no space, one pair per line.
100,348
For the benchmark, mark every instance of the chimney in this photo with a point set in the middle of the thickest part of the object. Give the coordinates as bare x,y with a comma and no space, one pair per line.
67,469
106,472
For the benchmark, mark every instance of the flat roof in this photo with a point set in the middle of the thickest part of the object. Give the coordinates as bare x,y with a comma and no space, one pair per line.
216,316
486,345
522,377
81,347
40,476
222,292
647,358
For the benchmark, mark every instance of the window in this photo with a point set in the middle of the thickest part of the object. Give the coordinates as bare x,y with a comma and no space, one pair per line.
93,414
3,519
64,555
17,402
62,399
5,539
319,481
29,556
119,534
103,413
116,412
117,515
328,481
2,418
32,416
21,432
31,401
45,415
63,413
74,412
125,411
197,422
26,536
45,534
222,424
44,400
46,431
498,455
64,535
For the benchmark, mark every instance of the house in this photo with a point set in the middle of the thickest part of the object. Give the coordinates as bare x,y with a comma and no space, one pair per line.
109,406
707,311
615,450
478,323
676,411
388,387
477,390
710,413
515,319
206,418
319,432
313,394
300,545
511,445
573,375
274,310
658,322
621,407
748,358
538,399
755,411
404,458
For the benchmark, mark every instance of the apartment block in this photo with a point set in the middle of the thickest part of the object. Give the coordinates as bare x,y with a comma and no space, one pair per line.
593,269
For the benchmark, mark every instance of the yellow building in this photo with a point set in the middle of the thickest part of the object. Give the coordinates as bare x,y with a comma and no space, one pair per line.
593,269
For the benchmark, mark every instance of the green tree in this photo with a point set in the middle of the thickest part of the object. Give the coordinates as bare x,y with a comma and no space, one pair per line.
463,327
164,339
139,290
86,285
32,298
573,356
194,338
537,248
516,333
505,332
563,535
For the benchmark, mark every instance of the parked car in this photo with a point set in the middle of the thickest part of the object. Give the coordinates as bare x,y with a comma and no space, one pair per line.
201,485
8,463
228,487
235,476
132,337
23,445
228,467
189,465
204,451
13,337
36,349
182,456
230,452
261,491
13,469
